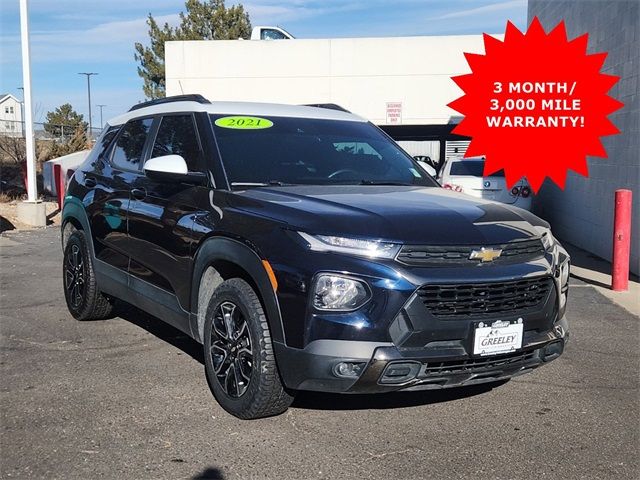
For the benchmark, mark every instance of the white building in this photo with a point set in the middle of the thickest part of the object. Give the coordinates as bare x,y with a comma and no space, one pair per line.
402,84
10,115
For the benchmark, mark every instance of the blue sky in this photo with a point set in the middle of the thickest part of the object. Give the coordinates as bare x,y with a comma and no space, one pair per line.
70,36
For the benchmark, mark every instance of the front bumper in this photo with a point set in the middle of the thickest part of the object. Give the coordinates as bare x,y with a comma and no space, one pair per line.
313,368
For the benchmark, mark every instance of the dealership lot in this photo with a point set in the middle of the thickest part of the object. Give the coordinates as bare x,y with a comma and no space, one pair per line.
127,398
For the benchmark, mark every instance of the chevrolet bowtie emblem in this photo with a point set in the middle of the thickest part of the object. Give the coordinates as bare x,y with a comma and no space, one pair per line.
485,254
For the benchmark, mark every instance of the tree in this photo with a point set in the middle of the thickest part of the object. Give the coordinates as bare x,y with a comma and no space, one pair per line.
76,142
203,20
63,121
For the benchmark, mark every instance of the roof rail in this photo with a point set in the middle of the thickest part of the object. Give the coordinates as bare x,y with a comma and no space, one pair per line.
329,106
196,97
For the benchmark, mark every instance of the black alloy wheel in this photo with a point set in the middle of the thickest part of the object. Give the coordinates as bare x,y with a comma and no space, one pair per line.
74,273
84,298
231,349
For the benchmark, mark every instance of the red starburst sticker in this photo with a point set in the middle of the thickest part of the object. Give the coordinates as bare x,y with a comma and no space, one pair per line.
535,105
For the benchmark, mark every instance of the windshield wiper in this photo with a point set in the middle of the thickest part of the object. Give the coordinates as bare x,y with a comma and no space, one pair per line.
270,183
375,182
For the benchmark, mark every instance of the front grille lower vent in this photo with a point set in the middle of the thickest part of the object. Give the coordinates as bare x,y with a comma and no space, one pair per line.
478,299
458,255
477,365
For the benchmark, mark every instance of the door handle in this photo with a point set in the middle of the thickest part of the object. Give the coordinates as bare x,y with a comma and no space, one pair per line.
90,182
138,193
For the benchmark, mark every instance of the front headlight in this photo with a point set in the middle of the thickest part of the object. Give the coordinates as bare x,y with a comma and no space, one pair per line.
352,246
564,274
338,293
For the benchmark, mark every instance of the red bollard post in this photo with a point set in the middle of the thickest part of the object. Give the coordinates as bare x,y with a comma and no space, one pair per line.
60,184
621,241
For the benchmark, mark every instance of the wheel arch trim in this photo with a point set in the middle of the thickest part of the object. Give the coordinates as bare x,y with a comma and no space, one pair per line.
225,249
74,213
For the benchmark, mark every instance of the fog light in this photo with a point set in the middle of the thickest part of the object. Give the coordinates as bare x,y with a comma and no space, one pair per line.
400,372
551,351
333,292
348,369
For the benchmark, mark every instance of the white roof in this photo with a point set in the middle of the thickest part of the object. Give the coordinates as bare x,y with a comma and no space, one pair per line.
7,96
239,108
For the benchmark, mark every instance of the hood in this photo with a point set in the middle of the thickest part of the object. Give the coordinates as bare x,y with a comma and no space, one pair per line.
413,215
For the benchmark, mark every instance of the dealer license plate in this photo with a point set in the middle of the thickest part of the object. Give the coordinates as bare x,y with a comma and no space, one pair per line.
498,337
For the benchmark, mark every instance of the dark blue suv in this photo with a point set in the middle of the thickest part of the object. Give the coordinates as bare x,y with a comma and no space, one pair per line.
306,251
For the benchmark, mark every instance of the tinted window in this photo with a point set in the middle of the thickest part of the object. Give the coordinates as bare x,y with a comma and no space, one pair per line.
177,136
472,168
103,142
312,152
270,34
130,144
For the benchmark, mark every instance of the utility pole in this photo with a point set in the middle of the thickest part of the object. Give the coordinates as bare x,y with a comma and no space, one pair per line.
32,211
88,74
101,124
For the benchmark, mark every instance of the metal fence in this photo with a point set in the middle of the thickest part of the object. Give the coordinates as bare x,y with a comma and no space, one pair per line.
58,133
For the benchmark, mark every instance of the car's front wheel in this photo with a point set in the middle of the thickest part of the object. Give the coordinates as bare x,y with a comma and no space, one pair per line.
84,299
239,358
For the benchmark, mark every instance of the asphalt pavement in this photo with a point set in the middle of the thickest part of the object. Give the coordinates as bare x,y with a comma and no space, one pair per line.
127,398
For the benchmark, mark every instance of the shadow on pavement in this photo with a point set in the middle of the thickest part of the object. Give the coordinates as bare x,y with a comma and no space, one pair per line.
210,473
6,225
383,401
160,329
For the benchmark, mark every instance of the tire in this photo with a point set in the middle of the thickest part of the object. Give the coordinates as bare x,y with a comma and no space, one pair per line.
241,367
84,300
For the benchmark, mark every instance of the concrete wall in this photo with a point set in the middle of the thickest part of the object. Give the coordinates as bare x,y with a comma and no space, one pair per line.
583,213
361,74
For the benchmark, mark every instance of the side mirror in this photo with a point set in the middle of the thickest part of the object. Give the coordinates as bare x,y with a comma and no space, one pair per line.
172,168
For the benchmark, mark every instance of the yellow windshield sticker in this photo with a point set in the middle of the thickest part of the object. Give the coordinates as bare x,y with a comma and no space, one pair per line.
250,123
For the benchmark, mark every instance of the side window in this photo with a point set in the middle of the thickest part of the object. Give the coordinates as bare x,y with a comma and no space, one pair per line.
271,34
177,136
130,144
103,143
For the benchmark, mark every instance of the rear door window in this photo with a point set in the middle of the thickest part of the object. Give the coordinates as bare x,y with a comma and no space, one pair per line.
129,147
177,135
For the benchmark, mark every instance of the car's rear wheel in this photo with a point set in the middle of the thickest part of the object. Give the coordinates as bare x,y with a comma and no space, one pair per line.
239,359
84,299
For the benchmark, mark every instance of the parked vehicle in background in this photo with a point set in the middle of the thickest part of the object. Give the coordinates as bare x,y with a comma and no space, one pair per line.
306,251
465,175
270,33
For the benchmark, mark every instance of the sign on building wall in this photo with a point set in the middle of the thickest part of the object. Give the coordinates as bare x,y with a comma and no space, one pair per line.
394,113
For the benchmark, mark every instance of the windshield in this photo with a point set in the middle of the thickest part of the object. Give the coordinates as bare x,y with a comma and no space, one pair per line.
283,150
472,168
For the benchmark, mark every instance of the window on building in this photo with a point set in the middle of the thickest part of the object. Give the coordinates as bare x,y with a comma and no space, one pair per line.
10,109
177,136
129,147
6,109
